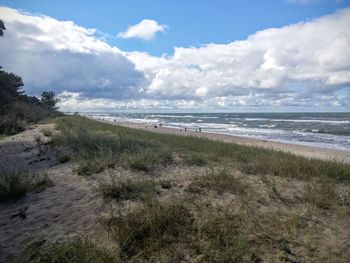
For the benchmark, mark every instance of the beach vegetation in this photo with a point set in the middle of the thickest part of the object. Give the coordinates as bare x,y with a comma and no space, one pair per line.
221,181
78,249
121,190
88,136
15,184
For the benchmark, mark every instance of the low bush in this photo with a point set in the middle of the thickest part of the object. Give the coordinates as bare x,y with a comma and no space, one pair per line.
127,189
151,228
78,250
16,184
220,181
145,160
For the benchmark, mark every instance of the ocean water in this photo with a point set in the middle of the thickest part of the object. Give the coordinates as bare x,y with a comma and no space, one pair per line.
326,130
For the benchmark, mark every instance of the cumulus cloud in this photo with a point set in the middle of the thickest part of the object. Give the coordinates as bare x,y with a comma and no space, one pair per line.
145,30
300,65
59,55
308,57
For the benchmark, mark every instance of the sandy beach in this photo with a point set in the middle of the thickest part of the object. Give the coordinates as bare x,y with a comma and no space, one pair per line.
306,151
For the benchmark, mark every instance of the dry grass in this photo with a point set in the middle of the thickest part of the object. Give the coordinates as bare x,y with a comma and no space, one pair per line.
14,184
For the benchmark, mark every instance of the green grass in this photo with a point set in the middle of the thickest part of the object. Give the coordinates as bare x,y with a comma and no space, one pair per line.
322,194
127,189
3,136
221,181
152,228
78,250
16,184
47,132
145,160
167,231
226,238
194,159
88,136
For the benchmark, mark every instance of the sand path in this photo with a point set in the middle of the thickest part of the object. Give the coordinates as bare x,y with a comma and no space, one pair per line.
70,206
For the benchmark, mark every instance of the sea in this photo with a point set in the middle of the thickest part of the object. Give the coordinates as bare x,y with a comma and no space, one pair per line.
325,130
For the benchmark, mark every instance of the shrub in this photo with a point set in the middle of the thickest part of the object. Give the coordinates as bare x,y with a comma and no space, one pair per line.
127,190
16,184
154,226
145,160
194,159
47,132
220,181
79,250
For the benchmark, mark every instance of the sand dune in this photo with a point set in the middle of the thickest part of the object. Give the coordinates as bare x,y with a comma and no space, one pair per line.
306,151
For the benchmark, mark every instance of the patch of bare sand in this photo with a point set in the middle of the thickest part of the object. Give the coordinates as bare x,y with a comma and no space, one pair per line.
69,207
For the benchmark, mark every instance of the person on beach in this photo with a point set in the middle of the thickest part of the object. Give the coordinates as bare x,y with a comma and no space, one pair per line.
185,129
200,129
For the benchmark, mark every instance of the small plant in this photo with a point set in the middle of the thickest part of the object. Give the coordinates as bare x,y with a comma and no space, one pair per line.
145,160
78,249
127,190
64,158
226,239
16,184
152,227
194,159
47,132
165,184
272,188
220,181
322,194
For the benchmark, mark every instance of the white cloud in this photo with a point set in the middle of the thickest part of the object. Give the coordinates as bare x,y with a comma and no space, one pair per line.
301,65
310,57
59,55
145,30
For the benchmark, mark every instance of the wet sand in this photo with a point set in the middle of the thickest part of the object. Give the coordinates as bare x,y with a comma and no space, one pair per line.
306,151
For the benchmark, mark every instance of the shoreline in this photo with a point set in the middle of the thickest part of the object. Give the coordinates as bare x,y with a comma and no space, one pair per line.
303,150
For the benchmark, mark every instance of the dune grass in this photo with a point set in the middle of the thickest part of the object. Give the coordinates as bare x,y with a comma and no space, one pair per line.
88,137
78,249
221,181
15,184
121,190
194,159
153,227
47,132
145,160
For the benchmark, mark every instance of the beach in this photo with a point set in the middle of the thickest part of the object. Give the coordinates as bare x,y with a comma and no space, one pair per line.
306,151
97,184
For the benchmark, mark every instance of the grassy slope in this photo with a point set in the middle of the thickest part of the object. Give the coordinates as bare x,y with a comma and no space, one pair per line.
261,223
92,138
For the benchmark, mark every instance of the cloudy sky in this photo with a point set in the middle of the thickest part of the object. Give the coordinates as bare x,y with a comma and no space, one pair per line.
185,55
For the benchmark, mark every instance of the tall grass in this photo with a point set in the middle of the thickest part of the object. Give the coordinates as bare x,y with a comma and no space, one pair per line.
127,189
78,250
220,181
153,227
85,135
15,184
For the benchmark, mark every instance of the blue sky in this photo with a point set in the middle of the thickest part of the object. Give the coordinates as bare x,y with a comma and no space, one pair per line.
191,22
286,55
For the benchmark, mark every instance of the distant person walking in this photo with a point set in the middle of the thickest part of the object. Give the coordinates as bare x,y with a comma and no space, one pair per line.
200,129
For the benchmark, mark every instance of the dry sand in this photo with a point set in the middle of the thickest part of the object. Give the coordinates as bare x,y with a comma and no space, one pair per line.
73,206
70,206
306,151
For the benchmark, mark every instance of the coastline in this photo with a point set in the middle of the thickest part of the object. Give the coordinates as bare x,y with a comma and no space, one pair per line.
303,150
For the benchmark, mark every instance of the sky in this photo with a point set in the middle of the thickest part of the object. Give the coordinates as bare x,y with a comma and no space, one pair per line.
185,55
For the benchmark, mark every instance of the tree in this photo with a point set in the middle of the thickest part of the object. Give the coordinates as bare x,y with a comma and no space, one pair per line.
49,100
2,28
10,88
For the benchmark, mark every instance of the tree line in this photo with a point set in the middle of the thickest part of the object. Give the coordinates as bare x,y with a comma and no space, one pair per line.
17,109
